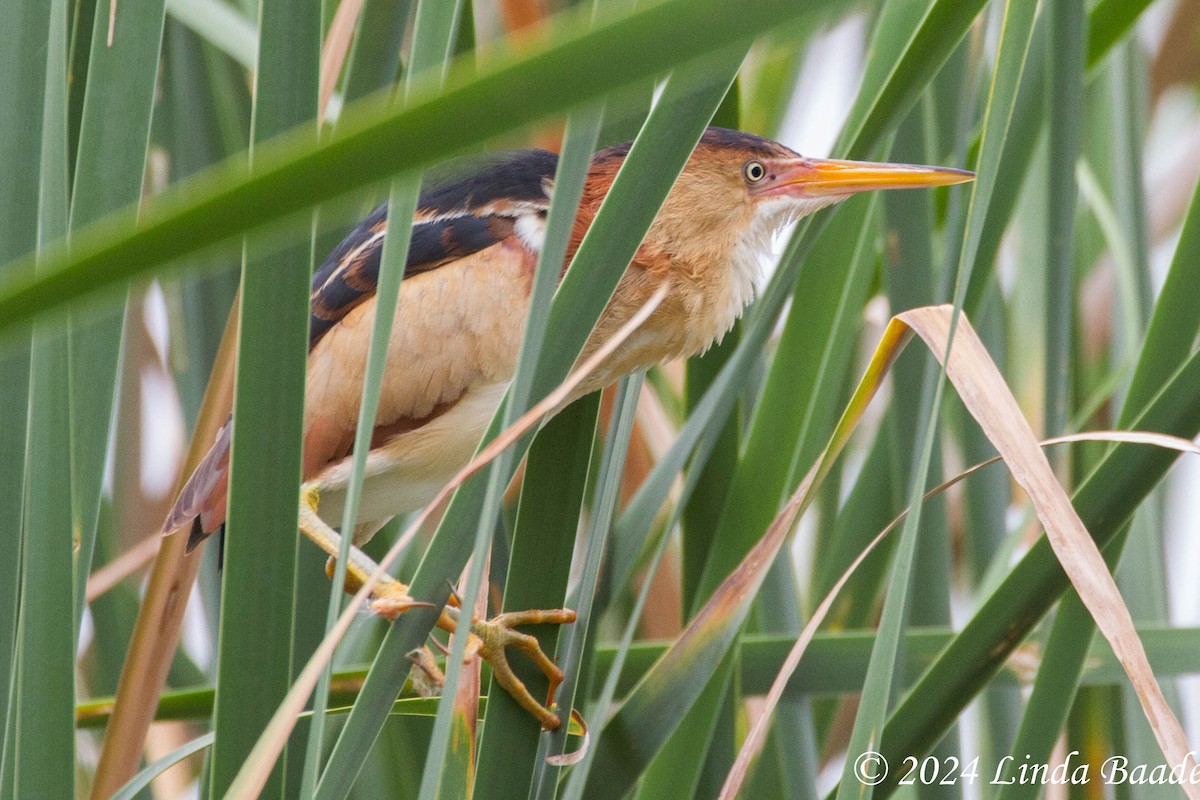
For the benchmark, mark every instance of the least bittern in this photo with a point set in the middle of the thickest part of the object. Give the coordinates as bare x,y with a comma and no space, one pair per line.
475,243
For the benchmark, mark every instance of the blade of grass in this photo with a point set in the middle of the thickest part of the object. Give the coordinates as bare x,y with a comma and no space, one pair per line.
1108,22
614,666
702,512
219,24
1132,107
143,779
43,760
886,98
109,169
834,663
1092,194
681,761
336,49
80,23
203,115
775,70
886,654
254,672
913,279
871,503
22,87
1064,98
457,781
703,509
987,499
557,467
576,641
160,619
539,540
374,60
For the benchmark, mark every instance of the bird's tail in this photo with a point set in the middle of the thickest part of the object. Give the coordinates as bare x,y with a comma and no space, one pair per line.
201,502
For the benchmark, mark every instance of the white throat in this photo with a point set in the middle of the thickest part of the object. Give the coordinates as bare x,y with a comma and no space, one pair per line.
757,244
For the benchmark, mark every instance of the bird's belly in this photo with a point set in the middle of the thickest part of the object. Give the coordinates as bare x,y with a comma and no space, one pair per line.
407,472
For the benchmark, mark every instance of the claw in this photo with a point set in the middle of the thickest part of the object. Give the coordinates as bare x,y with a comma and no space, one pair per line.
498,634
392,599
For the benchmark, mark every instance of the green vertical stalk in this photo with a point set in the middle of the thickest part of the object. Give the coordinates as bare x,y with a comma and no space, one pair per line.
557,467
260,557
703,509
912,281
543,536
1068,35
44,756
572,654
22,86
109,169
703,744
1128,87
374,60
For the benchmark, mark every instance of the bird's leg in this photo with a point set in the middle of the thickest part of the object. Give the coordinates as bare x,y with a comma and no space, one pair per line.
489,638
499,633
389,598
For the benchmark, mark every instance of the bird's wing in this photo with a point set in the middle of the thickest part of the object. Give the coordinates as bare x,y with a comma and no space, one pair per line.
465,208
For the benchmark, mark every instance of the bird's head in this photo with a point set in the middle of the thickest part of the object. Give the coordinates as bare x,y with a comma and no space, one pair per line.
720,218
737,190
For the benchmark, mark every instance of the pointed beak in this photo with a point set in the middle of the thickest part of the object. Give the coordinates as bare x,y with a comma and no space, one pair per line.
815,177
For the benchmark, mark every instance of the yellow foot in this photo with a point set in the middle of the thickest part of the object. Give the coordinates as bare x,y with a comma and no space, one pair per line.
389,598
498,633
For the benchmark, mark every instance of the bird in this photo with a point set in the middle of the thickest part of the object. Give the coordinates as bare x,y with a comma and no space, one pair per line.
476,236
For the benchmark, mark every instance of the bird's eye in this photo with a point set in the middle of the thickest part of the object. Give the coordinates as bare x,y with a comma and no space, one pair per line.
754,171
